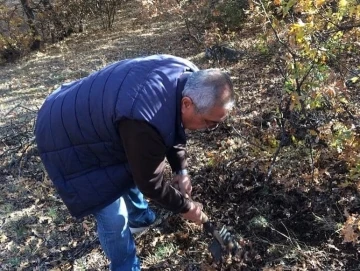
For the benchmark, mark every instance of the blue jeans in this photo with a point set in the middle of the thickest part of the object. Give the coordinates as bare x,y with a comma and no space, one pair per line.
114,233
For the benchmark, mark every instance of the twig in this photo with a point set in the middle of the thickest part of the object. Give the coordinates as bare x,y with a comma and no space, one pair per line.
12,109
29,109
25,148
196,39
281,124
346,108
296,243
275,32
306,75
287,237
312,161
272,163
281,71
343,27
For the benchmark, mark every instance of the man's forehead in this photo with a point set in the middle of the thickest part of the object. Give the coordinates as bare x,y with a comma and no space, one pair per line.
218,112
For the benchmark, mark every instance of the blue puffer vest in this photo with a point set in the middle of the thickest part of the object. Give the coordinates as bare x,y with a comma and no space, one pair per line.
76,129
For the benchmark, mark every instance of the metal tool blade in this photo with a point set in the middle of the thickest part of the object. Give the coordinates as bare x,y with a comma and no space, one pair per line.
216,246
223,241
216,250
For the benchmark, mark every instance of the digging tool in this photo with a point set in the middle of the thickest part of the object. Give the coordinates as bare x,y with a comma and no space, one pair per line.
223,240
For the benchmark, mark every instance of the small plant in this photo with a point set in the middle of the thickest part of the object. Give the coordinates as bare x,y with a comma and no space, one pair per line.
52,212
14,262
18,228
161,252
55,215
259,222
165,250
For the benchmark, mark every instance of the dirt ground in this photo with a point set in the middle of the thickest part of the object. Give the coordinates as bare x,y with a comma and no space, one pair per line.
285,222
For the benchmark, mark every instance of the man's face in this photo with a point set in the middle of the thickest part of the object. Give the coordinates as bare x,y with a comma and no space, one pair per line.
192,120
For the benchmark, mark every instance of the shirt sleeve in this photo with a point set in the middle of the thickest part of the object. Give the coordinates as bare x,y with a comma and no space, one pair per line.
176,157
146,153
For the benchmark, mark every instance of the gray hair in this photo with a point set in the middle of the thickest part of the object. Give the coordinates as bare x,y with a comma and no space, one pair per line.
206,88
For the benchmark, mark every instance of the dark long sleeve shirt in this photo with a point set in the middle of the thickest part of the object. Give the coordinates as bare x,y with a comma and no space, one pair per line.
146,153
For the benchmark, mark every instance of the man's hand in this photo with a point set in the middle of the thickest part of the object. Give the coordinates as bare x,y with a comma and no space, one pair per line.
195,213
183,184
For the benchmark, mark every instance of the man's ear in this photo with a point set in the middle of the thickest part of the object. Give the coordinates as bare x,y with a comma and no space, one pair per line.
186,103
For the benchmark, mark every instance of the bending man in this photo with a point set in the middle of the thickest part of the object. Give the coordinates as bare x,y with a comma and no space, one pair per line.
104,139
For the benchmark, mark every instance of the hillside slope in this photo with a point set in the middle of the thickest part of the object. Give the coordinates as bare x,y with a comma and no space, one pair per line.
286,222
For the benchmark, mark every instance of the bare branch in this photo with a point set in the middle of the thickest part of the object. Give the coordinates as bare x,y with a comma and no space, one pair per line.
275,32
196,39
283,74
312,160
272,163
306,75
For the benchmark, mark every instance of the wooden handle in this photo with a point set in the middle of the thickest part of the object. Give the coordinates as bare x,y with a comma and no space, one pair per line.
204,217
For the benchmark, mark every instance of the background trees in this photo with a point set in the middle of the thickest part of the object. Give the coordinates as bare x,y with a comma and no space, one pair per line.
27,24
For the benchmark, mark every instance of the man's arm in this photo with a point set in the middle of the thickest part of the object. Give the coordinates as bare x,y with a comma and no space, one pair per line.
176,157
146,152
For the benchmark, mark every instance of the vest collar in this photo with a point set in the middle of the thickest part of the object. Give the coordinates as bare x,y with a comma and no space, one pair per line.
181,137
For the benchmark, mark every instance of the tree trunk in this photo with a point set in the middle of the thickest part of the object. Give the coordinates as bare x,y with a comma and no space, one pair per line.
31,23
60,32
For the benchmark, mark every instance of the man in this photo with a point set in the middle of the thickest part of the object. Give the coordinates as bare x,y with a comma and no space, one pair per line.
104,139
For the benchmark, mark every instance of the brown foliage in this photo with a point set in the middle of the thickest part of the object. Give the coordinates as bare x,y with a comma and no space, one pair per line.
28,25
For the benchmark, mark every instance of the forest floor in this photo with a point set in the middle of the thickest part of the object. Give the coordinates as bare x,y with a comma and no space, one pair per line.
290,221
